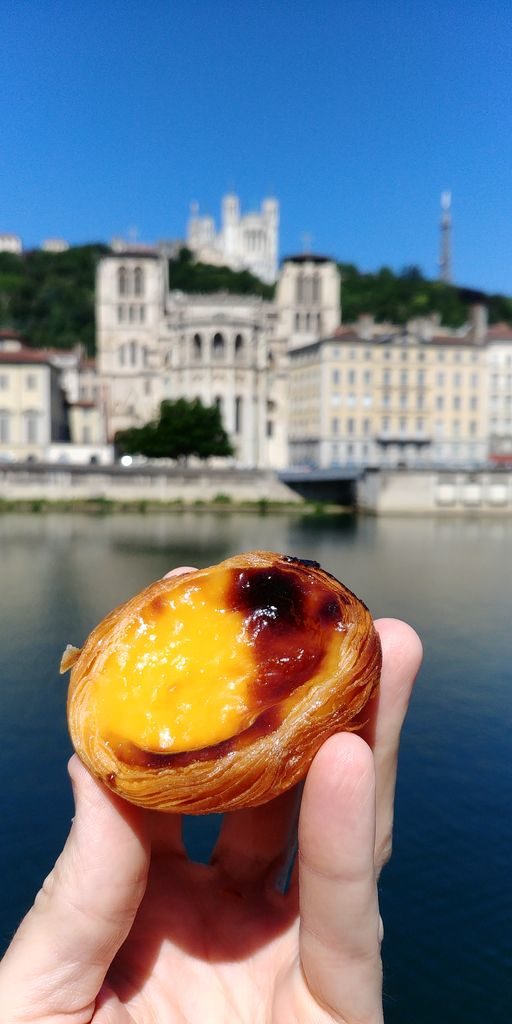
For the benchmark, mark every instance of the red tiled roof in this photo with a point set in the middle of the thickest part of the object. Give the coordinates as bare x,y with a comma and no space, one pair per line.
499,332
451,339
343,331
24,355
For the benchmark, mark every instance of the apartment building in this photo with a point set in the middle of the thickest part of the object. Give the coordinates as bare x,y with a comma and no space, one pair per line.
32,403
378,395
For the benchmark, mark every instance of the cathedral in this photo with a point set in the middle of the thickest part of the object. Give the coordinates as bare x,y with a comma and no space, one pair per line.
248,242
156,343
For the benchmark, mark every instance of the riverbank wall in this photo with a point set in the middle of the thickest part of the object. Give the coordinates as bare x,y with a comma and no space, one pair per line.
438,492
28,483
374,492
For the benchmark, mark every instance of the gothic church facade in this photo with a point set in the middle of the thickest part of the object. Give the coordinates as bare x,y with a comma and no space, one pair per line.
156,343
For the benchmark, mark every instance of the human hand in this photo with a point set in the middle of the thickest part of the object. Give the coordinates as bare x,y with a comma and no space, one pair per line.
126,930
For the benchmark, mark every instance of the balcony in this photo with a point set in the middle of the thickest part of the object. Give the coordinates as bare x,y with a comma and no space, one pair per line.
419,440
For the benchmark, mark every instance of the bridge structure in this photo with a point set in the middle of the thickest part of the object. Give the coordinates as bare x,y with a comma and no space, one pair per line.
335,486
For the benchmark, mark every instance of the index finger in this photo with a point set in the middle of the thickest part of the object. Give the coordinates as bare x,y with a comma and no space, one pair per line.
401,660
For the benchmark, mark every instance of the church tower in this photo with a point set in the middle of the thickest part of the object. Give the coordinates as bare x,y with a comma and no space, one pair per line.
308,299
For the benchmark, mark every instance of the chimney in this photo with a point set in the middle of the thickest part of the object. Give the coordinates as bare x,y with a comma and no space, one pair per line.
478,321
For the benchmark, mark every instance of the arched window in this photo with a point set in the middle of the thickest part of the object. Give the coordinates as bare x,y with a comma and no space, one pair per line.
316,288
308,322
138,281
133,352
131,314
239,346
218,403
300,288
308,290
197,346
122,281
218,346
297,321
319,322
121,355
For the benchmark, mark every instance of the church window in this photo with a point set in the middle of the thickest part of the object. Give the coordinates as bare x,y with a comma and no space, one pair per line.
270,428
122,281
197,345
297,321
238,414
142,314
218,346
319,322
308,321
138,281
239,345
121,355
218,404
133,352
316,288
120,314
131,314
300,288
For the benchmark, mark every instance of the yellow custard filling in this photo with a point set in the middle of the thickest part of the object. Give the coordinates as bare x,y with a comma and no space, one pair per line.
180,674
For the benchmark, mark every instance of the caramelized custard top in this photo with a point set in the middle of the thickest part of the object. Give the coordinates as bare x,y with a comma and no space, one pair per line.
215,661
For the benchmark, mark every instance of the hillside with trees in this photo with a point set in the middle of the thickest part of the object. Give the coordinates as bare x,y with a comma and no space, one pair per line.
49,297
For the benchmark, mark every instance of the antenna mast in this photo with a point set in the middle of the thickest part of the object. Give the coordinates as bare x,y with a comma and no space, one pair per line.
445,258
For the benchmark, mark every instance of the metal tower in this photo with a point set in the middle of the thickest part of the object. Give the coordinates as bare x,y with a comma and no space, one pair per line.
445,256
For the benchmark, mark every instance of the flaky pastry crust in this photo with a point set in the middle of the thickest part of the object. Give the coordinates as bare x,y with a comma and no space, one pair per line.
301,607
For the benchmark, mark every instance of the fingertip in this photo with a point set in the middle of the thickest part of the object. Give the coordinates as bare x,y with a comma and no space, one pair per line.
181,570
344,754
400,644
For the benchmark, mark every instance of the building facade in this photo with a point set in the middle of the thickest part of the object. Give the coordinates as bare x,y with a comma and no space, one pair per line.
385,396
155,343
244,241
32,403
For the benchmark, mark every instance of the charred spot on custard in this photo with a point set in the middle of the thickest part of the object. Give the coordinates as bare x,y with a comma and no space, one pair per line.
157,605
284,608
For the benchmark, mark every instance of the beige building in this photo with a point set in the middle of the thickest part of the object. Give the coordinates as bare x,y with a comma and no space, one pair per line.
378,395
499,358
32,403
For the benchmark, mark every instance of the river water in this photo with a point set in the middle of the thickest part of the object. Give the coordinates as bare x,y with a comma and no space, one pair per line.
447,894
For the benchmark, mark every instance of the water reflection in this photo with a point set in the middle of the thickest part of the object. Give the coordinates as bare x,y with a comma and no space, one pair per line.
446,895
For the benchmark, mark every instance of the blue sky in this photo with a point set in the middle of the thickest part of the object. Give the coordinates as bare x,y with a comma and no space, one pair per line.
356,114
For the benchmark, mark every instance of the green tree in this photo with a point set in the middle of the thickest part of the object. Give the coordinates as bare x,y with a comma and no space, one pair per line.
183,428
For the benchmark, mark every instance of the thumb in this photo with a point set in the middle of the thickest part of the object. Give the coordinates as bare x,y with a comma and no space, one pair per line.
58,959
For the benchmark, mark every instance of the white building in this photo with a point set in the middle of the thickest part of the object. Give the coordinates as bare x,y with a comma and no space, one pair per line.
249,241
55,245
11,243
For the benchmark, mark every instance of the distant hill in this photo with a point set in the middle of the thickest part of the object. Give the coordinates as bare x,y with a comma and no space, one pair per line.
49,297
400,297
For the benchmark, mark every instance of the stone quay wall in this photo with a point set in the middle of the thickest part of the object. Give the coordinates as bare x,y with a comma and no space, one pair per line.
411,492
152,484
